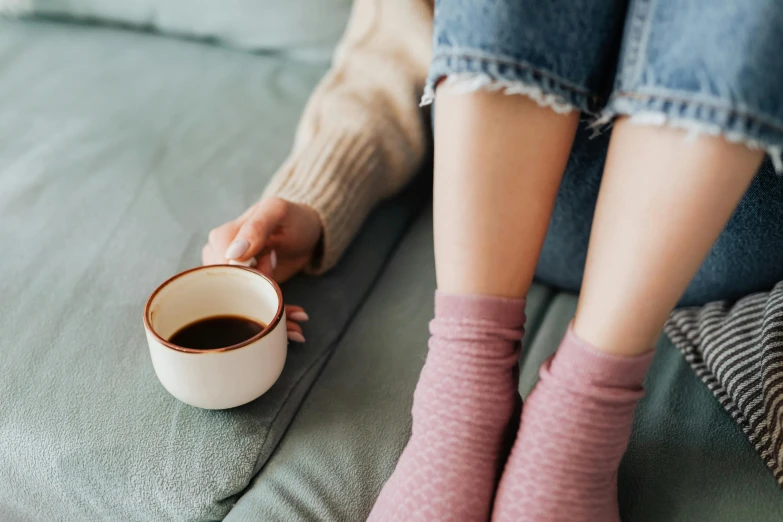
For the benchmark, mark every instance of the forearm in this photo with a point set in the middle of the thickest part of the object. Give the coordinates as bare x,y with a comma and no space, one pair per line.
362,136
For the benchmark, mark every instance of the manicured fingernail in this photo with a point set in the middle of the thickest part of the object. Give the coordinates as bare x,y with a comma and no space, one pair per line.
250,262
237,248
296,337
273,261
299,316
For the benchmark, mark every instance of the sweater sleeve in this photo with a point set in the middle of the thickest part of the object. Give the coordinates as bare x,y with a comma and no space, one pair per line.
362,136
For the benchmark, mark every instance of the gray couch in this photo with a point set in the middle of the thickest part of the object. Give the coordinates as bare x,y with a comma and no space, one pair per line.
119,149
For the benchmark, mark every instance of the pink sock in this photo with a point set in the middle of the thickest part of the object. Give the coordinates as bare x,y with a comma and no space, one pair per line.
575,429
461,408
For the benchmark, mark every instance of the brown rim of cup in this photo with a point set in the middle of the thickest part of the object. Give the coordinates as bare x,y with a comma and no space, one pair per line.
271,326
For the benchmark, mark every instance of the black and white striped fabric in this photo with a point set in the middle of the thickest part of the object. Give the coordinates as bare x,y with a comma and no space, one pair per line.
737,350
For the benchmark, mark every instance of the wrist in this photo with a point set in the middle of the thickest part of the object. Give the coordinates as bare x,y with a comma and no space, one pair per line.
313,218
316,223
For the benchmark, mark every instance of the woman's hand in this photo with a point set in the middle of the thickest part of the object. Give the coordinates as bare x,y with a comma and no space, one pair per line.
281,236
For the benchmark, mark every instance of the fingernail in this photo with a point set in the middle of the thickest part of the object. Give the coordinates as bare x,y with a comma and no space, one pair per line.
250,262
299,316
237,248
273,261
296,337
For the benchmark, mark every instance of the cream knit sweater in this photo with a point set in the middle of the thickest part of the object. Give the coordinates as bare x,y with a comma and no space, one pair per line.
362,135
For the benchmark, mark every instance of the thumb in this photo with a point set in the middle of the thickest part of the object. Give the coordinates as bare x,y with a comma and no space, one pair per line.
254,232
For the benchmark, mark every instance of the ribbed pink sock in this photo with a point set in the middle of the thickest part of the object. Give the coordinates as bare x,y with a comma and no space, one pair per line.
575,428
461,408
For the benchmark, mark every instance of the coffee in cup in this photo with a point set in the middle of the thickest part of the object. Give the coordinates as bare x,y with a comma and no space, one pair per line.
217,335
216,332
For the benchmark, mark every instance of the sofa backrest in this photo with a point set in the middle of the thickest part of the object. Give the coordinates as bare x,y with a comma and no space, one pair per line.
308,29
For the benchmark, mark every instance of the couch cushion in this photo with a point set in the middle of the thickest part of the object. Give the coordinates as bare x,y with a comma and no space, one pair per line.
118,151
305,28
687,462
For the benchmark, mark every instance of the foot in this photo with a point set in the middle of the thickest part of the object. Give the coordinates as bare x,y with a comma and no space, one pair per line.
574,431
462,406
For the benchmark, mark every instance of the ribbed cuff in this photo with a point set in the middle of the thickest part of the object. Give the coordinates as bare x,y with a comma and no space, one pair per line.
577,360
506,312
334,176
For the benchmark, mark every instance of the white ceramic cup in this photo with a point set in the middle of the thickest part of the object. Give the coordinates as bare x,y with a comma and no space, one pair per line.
223,377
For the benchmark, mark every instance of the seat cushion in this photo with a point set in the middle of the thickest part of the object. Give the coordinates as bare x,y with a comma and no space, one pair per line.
118,152
687,461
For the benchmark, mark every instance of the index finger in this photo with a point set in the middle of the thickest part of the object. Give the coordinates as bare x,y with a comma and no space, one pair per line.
254,232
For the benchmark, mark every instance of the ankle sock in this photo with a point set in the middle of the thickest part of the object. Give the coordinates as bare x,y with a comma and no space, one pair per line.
462,405
574,430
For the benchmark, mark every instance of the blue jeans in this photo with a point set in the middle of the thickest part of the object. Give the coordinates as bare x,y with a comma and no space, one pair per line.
708,67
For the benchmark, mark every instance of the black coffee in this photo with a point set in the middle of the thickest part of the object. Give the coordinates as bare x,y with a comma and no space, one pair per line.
215,332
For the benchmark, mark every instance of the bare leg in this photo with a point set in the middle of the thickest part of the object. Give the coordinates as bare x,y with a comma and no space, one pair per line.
498,164
663,202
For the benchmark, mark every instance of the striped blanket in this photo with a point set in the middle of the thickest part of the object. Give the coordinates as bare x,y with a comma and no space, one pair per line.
737,350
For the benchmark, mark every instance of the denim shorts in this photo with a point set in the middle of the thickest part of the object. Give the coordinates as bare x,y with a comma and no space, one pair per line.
708,66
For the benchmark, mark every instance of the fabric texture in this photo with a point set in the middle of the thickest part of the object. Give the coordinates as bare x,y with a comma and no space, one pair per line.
302,29
119,151
737,350
574,430
679,67
688,461
561,53
664,62
462,408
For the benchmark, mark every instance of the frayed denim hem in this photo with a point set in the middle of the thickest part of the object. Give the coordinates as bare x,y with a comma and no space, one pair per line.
470,71
698,118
